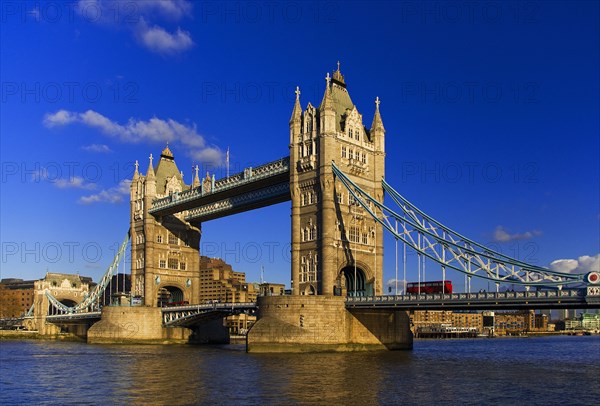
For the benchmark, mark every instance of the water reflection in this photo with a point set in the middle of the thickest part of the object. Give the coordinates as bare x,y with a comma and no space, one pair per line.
537,371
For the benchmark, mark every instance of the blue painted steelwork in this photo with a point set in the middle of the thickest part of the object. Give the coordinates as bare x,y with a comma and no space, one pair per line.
186,315
432,239
245,200
249,175
91,300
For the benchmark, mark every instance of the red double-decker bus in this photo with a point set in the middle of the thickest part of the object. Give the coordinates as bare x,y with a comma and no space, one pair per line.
414,288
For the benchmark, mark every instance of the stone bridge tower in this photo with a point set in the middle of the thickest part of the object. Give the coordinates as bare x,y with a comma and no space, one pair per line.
165,250
337,248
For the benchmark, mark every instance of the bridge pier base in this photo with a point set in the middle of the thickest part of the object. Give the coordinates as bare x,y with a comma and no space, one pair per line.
135,325
322,323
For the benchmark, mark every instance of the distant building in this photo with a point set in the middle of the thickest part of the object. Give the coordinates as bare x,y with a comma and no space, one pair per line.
429,321
16,297
519,322
219,282
586,321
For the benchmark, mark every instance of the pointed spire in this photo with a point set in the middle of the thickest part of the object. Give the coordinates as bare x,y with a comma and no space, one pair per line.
196,181
136,173
338,78
327,102
150,173
377,121
297,111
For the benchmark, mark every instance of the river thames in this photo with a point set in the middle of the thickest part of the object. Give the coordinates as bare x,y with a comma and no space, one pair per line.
534,371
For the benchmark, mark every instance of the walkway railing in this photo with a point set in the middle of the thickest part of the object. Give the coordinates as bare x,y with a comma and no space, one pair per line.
584,298
249,175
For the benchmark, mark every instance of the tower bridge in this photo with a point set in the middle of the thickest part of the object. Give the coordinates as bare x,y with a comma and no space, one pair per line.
334,177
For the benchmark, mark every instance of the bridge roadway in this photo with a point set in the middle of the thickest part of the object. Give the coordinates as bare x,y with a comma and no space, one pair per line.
189,315
585,298
253,188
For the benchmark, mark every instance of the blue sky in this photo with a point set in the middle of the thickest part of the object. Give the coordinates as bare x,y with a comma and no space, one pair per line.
491,111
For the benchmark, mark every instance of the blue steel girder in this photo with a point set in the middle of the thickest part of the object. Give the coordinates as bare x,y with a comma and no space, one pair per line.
190,315
250,180
451,250
249,200
91,300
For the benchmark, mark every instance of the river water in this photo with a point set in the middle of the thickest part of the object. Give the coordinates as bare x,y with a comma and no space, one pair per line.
559,370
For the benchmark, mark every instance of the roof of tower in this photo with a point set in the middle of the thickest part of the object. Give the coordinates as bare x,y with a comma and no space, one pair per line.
165,170
166,153
341,97
338,77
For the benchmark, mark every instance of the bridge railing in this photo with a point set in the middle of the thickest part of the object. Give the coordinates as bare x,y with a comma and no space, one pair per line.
248,175
551,294
176,314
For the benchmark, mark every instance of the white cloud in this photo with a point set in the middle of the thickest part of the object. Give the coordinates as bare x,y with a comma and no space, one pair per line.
55,178
140,19
501,235
101,148
583,264
61,117
154,130
174,9
76,182
158,40
112,195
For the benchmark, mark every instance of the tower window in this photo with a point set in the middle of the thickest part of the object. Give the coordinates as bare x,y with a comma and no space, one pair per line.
343,152
354,235
173,263
162,263
159,239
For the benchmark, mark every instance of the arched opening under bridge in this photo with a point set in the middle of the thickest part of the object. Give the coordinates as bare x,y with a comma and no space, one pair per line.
356,281
168,295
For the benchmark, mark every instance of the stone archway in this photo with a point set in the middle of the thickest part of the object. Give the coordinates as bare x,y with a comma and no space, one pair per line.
356,281
309,290
169,294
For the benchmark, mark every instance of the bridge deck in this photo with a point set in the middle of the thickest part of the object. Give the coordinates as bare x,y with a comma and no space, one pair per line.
569,298
233,193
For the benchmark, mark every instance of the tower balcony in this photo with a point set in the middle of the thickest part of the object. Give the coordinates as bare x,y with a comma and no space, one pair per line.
356,166
307,163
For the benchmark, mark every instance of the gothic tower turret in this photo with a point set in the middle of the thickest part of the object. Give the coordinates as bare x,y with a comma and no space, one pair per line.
336,247
164,250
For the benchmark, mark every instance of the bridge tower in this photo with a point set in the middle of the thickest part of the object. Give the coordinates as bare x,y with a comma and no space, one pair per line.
337,248
164,250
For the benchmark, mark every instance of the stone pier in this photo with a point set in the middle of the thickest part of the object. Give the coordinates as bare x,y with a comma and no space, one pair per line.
322,323
143,325
131,325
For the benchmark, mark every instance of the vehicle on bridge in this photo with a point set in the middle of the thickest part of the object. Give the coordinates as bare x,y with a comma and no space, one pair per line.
416,288
180,303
